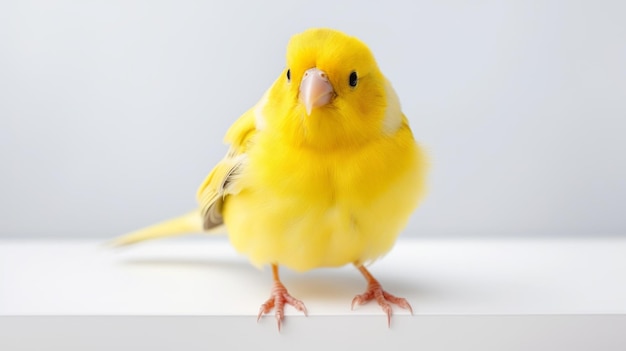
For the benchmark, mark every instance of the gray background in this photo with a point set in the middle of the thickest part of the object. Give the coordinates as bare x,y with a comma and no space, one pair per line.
113,112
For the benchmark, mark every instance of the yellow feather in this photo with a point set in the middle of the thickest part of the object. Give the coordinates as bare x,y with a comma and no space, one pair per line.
187,223
326,189
335,187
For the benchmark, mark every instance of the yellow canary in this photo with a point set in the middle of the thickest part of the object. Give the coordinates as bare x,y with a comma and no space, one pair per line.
322,172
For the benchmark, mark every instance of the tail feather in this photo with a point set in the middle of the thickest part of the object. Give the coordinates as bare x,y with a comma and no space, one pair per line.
185,224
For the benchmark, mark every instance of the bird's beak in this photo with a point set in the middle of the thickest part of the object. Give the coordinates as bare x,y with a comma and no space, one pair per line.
315,89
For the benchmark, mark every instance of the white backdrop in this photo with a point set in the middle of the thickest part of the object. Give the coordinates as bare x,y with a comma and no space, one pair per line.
112,112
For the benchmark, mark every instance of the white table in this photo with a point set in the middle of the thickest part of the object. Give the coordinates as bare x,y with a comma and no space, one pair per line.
526,294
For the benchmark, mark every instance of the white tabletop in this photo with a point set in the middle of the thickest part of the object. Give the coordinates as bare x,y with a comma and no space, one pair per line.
205,277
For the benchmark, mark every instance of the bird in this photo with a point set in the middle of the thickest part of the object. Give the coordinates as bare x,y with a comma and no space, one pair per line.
323,171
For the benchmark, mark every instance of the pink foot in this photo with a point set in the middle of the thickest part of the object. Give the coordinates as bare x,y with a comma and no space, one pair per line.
375,291
279,296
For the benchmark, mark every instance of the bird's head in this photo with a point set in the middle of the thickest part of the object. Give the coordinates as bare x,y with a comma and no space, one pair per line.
331,93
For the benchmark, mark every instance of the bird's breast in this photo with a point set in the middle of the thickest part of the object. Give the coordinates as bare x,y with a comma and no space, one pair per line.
306,209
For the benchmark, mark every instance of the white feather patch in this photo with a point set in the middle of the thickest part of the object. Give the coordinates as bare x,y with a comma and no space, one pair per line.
393,113
259,118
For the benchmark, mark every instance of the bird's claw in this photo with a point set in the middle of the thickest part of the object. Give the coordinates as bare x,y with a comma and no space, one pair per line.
383,298
279,296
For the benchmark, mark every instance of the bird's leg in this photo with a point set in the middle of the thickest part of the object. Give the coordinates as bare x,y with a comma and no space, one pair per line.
375,291
279,296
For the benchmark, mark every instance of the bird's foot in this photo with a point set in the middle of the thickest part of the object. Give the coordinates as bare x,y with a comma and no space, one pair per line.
279,296
375,291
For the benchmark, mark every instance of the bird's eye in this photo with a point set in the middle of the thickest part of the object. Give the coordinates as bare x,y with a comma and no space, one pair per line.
289,75
353,79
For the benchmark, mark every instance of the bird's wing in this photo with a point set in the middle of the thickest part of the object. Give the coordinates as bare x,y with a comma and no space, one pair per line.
223,179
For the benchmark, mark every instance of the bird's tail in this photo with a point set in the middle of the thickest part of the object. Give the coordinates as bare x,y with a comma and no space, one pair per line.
185,224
